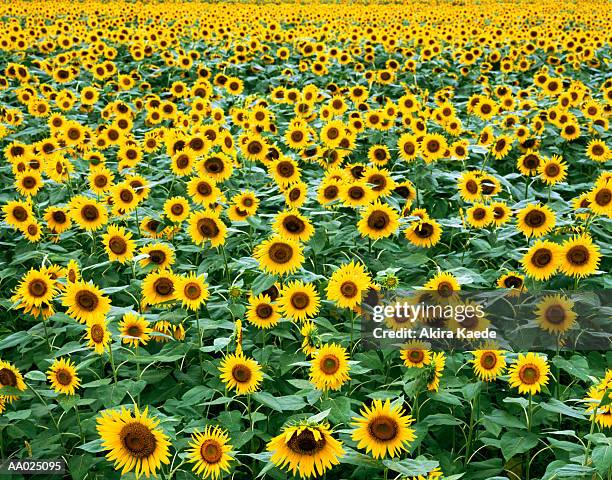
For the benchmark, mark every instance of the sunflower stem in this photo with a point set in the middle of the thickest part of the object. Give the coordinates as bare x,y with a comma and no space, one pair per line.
226,269
199,341
112,362
59,432
78,418
587,449
528,455
473,413
46,334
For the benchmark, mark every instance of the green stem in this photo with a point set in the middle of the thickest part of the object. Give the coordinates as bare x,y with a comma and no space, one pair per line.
473,413
47,334
528,455
112,362
587,450
59,432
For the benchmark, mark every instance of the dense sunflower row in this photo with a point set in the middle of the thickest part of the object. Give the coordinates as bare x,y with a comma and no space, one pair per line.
198,198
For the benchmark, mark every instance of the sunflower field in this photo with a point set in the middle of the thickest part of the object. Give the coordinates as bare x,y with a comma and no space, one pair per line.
201,204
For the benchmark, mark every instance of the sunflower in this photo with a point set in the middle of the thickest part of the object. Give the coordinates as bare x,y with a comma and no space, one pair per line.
355,194
219,167
535,220
554,313
469,187
210,451
134,330
98,336
553,170
416,354
305,448
542,260
579,256
118,244
240,373
383,429
159,287
296,194
348,284
10,376
206,225
594,400
501,213
182,162
63,377
310,338
279,256
433,147
408,147
57,219
293,225
262,312
17,213
284,171
87,213
247,201
329,367
73,271
529,373
443,286
85,302
160,255
332,133
600,199
425,233
488,364
329,191
28,183
529,163
438,360
100,179
135,442
192,291
378,220
36,288
32,232
598,151
203,190
299,301
513,281
176,209
479,215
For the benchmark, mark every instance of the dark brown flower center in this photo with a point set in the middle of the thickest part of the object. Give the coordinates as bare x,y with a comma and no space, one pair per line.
471,186
300,300
97,333
58,216
603,197
192,291
331,192
424,230
304,443
285,169
117,245
416,356
378,220
211,452
349,289
163,286
177,209
63,377
535,218
529,374
241,373
293,224
86,300
479,213
20,214
138,440
383,428
513,282
8,378
214,165
329,364
264,310
208,228
555,314
488,360
280,252
542,257
90,213
204,189
578,255
37,288
158,257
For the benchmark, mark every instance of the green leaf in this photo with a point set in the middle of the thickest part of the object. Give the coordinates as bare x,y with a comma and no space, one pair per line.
556,406
602,457
263,282
36,375
319,417
515,442
442,419
411,467
94,446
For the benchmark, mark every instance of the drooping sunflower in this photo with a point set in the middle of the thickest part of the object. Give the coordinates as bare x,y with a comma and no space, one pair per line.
310,338
85,301
10,376
529,373
192,291
554,313
299,301
306,449
210,451
383,429
206,225
159,287
159,254
279,256
262,312
118,244
36,288
438,361
579,256
240,373
378,220
535,220
425,233
329,367
416,354
348,284
63,376
135,441
134,330
293,225
488,364
542,260
98,336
